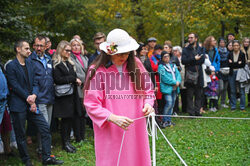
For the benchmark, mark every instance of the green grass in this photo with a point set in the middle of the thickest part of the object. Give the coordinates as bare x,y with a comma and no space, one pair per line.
198,141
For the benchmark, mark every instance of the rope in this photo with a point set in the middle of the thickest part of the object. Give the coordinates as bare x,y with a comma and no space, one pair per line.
183,162
119,156
174,116
204,117
118,161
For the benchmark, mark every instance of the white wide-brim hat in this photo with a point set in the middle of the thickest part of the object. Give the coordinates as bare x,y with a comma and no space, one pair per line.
118,41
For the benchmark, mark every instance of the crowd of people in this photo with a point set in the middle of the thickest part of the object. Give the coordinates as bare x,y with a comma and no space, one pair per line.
65,88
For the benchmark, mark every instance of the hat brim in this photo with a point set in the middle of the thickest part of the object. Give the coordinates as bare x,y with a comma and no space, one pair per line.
131,46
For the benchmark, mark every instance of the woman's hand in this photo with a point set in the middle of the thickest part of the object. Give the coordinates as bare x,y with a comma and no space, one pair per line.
147,109
78,81
120,121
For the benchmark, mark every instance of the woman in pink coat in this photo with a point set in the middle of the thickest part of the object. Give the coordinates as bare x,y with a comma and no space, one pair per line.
118,90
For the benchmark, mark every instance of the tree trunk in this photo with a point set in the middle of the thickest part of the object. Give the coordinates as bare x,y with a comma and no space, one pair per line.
223,29
182,29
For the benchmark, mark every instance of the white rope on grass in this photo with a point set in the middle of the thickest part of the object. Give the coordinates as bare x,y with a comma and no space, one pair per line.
204,117
174,116
183,162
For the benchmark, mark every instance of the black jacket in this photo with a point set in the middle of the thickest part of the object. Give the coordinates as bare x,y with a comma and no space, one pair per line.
92,58
66,106
236,65
188,59
148,67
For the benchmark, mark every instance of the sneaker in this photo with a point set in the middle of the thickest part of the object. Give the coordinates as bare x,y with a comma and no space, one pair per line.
215,109
211,109
224,106
1,147
166,124
13,145
172,123
175,114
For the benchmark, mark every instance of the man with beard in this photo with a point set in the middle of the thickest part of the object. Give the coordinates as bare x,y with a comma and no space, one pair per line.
22,103
42,64
193,58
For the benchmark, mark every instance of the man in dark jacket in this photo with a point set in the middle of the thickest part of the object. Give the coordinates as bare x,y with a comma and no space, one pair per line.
42,65
98,39
22,103
193,58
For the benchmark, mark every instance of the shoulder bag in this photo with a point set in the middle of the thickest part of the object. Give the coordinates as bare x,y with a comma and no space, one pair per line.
64,90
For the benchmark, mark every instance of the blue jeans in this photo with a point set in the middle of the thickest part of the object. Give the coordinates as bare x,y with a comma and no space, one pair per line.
232,83
19,120
2,109
168,108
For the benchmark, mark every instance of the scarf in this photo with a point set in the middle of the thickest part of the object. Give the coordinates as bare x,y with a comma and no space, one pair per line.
78,56
156,59
142,58
223,53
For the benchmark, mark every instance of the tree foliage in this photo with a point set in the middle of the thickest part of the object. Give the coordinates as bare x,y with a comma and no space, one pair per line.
163,19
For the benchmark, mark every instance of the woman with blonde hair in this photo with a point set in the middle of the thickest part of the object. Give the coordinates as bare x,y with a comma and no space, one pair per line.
245,48
81,63
66,106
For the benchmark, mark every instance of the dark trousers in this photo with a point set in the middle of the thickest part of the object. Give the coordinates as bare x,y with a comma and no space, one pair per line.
176,105
161,104
66,125
194,100
248,98
79,128
19,119
184,100
213,103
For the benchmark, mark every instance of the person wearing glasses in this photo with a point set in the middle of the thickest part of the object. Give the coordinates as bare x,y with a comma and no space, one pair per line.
42,64
66,107
23,103
98,39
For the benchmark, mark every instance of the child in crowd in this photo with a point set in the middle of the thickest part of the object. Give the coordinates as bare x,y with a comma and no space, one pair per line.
212,90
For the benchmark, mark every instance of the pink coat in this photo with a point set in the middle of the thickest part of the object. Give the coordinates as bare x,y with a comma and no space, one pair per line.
101,101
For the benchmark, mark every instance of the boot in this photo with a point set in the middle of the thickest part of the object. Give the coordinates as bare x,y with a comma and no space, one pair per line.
67,148
70,145
65,134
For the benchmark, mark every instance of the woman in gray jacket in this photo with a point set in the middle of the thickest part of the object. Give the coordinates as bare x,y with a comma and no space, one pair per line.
81,63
